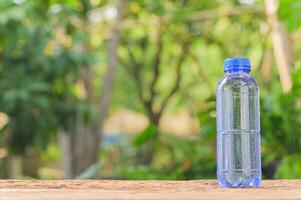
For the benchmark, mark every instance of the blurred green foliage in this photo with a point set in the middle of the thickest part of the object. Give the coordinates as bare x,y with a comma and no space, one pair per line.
280,111
289,14
290,168
281,127
37,75
42,56
176,158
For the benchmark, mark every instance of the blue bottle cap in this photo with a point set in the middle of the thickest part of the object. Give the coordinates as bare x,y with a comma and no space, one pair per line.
237,64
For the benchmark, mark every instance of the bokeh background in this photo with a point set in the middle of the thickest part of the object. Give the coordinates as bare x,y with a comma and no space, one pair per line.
125,89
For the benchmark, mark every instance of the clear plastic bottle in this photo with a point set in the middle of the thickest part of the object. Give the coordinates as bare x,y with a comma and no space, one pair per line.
238,126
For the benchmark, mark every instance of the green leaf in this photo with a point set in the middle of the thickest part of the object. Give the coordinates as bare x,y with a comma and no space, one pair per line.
148,133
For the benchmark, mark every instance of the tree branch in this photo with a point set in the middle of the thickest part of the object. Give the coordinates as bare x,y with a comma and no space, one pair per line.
135,73
112,64
202,73
179,65
218,12
156,64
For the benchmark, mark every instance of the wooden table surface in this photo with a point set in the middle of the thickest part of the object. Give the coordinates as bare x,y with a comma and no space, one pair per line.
159,190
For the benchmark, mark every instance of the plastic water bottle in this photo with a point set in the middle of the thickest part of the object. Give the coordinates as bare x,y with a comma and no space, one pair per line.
238,126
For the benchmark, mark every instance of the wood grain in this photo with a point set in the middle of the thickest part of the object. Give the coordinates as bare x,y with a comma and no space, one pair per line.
159,190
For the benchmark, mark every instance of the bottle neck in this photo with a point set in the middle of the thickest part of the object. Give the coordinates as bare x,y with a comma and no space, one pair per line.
236,71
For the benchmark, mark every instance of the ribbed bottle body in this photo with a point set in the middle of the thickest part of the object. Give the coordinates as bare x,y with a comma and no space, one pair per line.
238,131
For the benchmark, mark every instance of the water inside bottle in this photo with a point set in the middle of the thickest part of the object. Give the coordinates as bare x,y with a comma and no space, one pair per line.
238,137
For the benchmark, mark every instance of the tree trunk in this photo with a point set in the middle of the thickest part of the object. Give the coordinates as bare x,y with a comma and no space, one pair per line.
14,167
78,151
84,143
281,44
31,162
146,153
104,102
65,142
84,151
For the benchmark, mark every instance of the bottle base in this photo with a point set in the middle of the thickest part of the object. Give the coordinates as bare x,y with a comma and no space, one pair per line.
239,182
